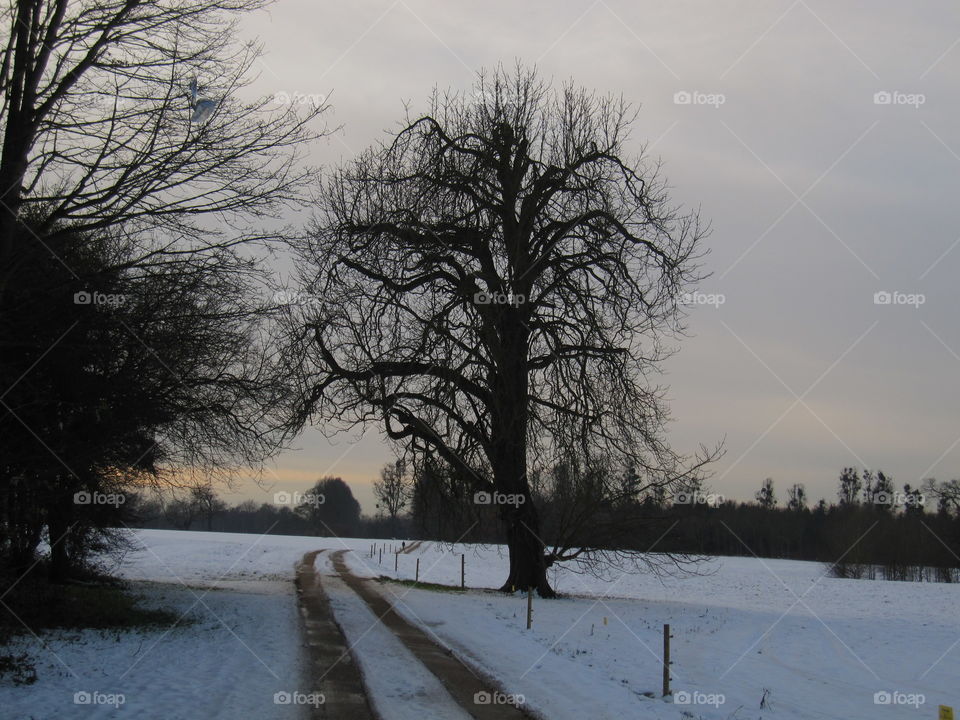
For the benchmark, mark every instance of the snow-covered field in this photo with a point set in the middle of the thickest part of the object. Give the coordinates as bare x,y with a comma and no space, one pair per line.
749,631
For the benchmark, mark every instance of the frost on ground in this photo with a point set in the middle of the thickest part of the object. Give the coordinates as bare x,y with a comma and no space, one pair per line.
753,631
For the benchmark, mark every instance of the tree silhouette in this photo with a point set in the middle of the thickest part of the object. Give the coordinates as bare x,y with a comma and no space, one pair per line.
502,279
392,490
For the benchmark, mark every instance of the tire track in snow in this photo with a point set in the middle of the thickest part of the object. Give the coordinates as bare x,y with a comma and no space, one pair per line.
461,682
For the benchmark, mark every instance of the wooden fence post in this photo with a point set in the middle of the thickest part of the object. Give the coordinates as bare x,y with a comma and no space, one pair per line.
529,608
666,660
463,572
417,579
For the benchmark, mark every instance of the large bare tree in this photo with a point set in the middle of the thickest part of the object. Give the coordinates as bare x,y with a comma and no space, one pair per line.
498,285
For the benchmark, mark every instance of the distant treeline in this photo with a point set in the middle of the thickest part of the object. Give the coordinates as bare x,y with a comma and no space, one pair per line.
871,531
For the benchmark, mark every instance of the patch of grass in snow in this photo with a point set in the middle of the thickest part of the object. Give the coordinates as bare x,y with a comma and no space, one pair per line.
34,605
436,587
42,606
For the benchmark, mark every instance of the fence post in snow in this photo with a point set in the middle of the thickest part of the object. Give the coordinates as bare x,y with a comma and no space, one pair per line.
396,561
380,559
666,660
463,572
417,579
529,608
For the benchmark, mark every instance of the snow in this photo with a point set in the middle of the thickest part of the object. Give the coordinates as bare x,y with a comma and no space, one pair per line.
746,631
400,686
242,646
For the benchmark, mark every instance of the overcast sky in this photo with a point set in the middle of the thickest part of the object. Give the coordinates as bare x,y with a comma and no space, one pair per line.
766,115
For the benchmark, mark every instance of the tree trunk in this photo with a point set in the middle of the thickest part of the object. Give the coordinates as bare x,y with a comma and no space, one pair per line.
58,526
528,567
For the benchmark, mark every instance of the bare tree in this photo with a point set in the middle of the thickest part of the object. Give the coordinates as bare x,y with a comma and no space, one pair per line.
133,162
797,497
129,114
765,496
849,487
599,515
502,281
947,494
392,490
204,497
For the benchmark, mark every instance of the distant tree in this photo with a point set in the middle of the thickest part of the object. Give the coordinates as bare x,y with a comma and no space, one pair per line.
181,513
914,500
878,490
392,490
797,497
204,497
330,508
850,487
508,277
947,495
765,496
